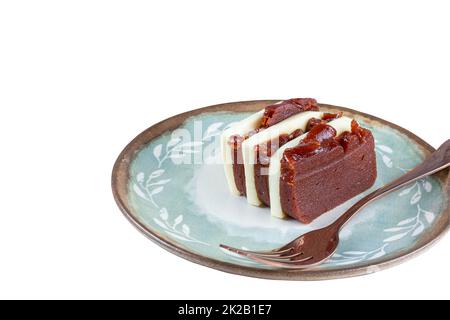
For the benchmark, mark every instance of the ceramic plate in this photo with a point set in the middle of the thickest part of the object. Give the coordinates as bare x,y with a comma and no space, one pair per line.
169,183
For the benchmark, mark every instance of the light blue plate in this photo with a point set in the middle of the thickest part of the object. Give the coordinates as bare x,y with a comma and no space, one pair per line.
172,187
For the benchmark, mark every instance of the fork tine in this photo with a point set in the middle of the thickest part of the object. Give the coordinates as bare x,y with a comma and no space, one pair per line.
285,258
250,254
272,253
291,262
287,264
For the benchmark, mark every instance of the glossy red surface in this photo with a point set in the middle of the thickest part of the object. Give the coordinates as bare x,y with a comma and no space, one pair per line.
278,112
325,170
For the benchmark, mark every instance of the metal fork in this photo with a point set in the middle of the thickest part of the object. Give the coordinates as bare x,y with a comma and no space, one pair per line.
314,247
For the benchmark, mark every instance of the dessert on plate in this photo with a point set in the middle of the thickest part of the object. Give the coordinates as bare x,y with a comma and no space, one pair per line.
298,160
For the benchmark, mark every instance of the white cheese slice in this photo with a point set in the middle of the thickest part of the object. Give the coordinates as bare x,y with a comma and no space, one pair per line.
341,125
298,121
241,128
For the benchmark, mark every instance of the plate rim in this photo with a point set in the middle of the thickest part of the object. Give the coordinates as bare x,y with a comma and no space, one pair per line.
120,178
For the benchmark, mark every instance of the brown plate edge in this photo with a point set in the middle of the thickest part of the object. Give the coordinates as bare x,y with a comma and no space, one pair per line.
120,178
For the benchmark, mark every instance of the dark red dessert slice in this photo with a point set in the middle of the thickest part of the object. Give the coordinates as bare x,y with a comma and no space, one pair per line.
324,171
263,153
273,114
261,167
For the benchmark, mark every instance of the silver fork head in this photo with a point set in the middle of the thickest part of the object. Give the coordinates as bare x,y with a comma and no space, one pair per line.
305,251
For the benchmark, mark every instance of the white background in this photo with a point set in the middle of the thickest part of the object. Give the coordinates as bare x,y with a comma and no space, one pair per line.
79,79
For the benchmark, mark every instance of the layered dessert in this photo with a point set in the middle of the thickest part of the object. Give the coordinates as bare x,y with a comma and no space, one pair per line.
298,160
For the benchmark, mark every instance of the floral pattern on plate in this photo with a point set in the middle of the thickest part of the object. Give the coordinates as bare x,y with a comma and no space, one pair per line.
189,203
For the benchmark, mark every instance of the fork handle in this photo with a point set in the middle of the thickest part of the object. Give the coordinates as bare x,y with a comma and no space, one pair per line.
438,160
